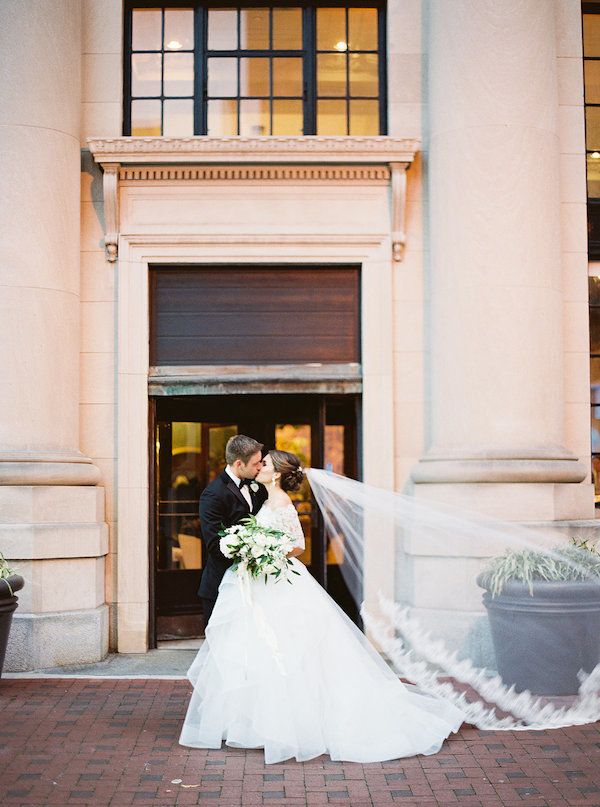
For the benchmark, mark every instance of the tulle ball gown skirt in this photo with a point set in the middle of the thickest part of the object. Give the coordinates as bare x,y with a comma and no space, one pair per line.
283,668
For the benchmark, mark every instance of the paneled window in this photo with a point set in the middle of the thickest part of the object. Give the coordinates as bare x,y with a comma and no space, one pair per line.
284,69
591,71
594,294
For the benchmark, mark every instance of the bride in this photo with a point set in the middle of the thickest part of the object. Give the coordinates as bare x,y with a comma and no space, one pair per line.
283,668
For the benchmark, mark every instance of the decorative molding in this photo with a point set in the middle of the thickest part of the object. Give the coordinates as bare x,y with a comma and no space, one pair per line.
553,464
286,173
312,158
236,372
111,209
244,379
238,149
398,209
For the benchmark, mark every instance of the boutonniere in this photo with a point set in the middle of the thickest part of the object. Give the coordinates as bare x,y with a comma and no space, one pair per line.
254,487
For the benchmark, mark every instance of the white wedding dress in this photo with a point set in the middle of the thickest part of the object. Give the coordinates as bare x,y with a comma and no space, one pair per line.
283,668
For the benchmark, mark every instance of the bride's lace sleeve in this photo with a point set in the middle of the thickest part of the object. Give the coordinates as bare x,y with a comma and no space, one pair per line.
290,524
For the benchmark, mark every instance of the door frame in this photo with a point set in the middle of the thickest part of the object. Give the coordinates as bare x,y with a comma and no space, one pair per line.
313,412
137,252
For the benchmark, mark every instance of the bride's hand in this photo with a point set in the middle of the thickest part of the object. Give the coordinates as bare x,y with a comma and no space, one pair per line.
295,552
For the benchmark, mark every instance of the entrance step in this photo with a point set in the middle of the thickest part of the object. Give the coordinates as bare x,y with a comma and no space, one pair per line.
160,663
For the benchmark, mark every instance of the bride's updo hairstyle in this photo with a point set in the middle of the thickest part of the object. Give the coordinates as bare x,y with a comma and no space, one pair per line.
288,465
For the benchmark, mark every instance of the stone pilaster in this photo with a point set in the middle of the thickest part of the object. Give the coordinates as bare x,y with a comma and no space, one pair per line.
496,416
51,516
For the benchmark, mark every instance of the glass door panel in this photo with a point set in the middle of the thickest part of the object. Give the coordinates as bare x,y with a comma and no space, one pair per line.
298,440
189,456
189,452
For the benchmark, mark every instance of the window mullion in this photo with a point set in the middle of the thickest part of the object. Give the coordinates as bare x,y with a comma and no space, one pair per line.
200,109
309,66
382,68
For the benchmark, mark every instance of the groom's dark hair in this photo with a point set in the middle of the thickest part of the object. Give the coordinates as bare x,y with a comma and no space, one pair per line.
241,448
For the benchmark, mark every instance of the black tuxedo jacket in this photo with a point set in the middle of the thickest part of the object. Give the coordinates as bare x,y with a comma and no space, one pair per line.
222,504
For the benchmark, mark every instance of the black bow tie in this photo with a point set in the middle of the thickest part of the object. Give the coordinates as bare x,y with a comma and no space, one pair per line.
245,482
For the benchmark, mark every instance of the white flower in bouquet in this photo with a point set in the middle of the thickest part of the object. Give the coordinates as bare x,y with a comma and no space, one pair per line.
229,545
258,551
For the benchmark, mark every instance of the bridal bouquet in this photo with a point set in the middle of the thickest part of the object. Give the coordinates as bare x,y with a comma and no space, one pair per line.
257,550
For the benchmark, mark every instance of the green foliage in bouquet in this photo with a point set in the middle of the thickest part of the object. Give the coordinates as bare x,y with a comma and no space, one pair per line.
579,560
257,549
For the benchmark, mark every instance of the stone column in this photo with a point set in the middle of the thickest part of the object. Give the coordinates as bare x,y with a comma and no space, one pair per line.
495,321
50,511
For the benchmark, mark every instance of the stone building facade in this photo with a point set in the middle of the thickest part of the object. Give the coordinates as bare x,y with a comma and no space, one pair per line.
463,212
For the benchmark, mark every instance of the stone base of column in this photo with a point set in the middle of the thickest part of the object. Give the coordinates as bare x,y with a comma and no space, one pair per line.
47,468
56,538
59,638
516,485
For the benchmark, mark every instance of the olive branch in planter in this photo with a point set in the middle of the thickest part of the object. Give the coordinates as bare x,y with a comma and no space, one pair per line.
543,609
5,572
579,560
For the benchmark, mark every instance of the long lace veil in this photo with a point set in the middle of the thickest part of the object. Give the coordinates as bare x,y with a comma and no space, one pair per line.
502,619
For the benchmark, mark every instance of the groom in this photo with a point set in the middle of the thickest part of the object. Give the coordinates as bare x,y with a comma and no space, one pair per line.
228,499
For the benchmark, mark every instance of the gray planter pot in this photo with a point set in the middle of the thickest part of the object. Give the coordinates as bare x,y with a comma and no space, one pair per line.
542,641
8,605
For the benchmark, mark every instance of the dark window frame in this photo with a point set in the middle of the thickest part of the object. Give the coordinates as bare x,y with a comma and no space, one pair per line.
593,306
593,204
308,55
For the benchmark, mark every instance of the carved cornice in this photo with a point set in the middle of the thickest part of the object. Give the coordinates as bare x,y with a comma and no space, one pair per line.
312,157
238,149
250,173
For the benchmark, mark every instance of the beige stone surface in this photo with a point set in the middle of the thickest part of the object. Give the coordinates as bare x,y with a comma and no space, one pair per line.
570,85
571,129
496,312
404,26
404,82
50,83
572,180
573,226
108,472
40,504
405,120
97,280
97,380
102,29
98,429
97,327
101,77
101,119
42,541
50,529
61,585
132,627
409,378
575,279
568,28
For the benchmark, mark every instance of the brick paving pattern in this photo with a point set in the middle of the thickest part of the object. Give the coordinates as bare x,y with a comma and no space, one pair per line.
114,742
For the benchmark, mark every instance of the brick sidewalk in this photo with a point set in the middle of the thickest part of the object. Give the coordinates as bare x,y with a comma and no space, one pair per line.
114,742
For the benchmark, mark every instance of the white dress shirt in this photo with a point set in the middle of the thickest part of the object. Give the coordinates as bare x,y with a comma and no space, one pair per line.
245,491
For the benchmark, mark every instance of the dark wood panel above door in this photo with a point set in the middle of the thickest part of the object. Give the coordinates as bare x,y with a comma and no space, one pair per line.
220,315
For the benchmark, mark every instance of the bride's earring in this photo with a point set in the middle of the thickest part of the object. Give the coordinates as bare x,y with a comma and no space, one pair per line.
274,479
